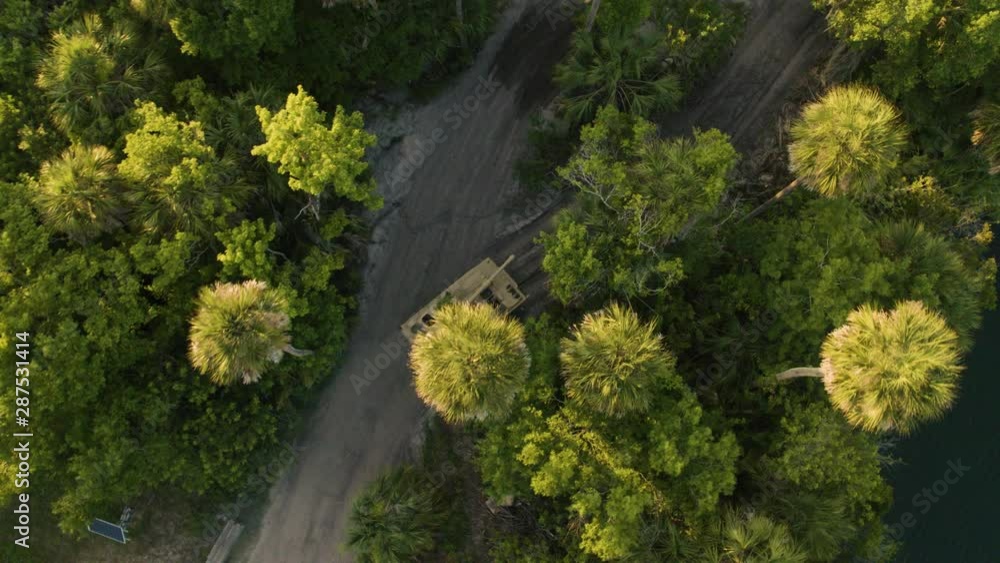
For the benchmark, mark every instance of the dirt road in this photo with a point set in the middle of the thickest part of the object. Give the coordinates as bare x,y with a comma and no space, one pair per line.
449,191
782,42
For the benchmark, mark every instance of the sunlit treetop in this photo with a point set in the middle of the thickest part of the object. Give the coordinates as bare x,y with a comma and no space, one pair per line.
891,370
940,43
317,156
846,142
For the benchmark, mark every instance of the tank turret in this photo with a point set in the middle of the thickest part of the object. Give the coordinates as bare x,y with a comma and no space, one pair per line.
485,282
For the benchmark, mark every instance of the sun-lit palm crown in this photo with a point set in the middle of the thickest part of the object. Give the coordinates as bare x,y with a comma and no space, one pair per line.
78,193
848,141
471,363
613,362
238,331
891,370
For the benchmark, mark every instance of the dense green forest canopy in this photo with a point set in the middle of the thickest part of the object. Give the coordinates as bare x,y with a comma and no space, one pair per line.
183,193
671,410
156,157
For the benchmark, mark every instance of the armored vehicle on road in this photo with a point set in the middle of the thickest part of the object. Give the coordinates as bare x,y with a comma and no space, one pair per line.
485,282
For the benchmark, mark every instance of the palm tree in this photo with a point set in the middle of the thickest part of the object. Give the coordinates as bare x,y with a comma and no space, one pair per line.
936,273
239,330
613,362
847,142
79,193
395,519
233,129
986,136
471,363
820,523
622,69
753,538
889,370
92,74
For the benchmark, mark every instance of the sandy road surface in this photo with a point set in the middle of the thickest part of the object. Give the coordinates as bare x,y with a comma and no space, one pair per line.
444,216
782,41
440,221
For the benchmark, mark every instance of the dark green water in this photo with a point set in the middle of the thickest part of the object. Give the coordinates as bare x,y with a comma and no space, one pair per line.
961,525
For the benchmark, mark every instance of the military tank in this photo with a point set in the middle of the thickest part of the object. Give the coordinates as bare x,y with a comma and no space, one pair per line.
486,282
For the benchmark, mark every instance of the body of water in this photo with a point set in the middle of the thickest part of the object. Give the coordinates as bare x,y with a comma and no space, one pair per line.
947,487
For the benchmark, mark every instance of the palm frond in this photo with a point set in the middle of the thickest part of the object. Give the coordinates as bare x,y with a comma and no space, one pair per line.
614,363
79,193
238,331
848,141
395,519
986,136
471,363
891,370
620,69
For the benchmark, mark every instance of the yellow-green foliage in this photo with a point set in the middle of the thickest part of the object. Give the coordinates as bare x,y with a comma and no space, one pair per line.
847,142
639,194
317,157
79,193
940,43
752,538
614,363
92,73
238,331
175,180
471,363
892,370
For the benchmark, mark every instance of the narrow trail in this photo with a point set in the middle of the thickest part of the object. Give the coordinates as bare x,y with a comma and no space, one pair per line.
454,193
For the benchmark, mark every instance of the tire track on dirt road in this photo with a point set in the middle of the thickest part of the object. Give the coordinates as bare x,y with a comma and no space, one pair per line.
442,218
782,41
